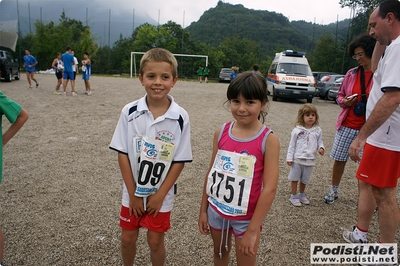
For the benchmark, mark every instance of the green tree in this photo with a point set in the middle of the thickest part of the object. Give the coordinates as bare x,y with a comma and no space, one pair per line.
149,36
362,10
325,55
50,39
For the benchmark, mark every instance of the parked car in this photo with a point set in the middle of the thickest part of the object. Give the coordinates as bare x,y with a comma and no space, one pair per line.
225,75
319,74
334,89
325,83
9,66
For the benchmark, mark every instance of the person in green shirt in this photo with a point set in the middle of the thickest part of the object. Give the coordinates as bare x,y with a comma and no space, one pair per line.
17,116
206,73
200,74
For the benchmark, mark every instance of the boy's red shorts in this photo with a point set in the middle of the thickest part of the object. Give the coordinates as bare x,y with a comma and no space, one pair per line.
161,223
379,167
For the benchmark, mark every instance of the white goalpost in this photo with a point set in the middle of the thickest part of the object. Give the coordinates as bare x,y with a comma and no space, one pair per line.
133,58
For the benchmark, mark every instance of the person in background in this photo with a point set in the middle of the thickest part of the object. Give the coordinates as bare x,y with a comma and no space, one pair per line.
29,63
255,69
305,142
200,74
206,72
234,73
242,178
17,116
75,67
58,67
86,71
349,121
68,61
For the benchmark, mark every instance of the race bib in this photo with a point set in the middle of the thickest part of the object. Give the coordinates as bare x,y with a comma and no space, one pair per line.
153,159
229,182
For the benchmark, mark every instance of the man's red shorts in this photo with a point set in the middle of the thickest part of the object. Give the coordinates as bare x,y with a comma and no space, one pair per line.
161,223
379,167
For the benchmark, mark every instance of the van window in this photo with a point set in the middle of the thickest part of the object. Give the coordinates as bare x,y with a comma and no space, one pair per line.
272,69
294,69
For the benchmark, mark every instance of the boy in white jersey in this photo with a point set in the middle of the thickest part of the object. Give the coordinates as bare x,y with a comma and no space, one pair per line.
152,139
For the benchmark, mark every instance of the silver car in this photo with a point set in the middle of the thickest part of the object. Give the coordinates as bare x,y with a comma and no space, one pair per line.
325,83
334,89
225,75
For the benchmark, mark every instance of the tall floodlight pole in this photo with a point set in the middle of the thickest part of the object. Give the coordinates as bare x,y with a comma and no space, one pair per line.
183,27
29,15
19,30
19,27
109,27
337,27
133,21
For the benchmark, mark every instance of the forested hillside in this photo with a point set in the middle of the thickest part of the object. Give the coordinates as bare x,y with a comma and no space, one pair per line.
271,31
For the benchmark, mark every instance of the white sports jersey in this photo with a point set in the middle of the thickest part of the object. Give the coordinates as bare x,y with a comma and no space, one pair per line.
173,127
74,67
386,76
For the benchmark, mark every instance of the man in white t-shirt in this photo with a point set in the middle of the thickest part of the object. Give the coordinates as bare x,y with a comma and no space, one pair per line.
380,168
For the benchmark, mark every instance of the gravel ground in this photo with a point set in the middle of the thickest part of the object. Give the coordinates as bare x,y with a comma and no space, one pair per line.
61,190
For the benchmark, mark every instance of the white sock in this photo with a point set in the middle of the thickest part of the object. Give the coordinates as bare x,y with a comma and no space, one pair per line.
358,234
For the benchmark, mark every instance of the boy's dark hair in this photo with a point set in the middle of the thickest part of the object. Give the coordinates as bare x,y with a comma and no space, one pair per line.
68,48
29,50
365,41
251,86
392,6
86,53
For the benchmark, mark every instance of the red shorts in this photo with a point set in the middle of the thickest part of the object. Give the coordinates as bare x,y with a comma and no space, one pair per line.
379,167
161,223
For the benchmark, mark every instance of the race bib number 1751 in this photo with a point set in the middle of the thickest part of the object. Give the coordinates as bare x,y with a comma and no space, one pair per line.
229,182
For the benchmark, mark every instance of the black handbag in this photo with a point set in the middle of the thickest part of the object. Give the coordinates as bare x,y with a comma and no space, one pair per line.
361,106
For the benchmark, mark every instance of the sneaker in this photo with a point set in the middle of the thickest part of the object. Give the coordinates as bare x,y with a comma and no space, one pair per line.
89,93
37,85
303,199
73,93
331,196
65,93
86,92
348,236
30,87
294,199
57,92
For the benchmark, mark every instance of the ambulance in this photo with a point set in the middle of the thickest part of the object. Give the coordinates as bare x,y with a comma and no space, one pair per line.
290,76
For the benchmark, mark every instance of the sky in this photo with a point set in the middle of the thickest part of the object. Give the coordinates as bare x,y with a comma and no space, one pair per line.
184,12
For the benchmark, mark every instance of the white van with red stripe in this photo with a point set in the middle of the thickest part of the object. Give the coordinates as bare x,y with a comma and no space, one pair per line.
290,76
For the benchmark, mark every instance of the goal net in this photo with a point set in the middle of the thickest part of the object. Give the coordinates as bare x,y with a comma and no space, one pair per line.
187,64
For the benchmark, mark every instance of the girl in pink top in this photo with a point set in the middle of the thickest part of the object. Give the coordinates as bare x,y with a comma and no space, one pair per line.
241,181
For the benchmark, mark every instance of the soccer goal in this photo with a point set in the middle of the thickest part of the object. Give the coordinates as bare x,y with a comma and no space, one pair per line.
185,67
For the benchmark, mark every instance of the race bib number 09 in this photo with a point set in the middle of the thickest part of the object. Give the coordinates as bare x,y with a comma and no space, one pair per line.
229,182
154,158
